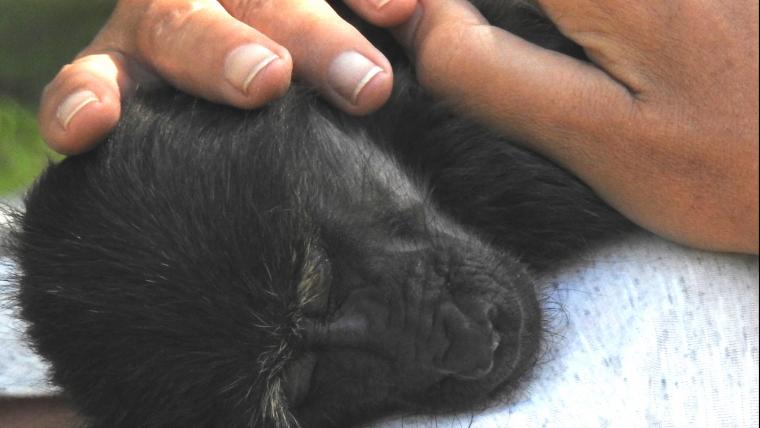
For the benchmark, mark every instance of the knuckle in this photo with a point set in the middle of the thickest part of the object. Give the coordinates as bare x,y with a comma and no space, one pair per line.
294,21
45,94
246,10
86,67
86,71
306,28
67,70
70,72
67,76
163,22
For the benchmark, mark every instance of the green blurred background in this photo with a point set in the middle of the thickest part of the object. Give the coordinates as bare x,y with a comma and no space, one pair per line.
37,37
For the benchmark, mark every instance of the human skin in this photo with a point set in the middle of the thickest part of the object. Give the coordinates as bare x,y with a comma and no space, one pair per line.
192,44
663,123
37,412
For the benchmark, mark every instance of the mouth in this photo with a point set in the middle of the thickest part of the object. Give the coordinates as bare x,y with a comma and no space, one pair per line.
481,372
514,345
505,342
513,324
518,325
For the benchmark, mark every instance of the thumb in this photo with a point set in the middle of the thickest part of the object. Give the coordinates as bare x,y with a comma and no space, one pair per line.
511,84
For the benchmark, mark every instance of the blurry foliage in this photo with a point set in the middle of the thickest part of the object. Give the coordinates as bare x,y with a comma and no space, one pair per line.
37,37
22,152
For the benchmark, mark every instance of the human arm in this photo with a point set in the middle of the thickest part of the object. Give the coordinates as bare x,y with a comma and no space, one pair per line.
663,123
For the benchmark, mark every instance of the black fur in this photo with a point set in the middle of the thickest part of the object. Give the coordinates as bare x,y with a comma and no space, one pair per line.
171,274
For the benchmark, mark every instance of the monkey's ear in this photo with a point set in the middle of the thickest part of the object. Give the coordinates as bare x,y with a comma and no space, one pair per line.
297,379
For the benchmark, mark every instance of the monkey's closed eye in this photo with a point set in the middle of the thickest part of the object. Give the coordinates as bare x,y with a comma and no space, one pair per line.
315,285
297,378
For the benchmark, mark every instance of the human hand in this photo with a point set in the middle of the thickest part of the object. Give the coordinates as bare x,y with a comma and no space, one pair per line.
233,52
663,124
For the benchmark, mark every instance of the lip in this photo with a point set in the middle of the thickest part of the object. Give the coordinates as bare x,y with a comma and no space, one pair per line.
518,341
516,326
512,352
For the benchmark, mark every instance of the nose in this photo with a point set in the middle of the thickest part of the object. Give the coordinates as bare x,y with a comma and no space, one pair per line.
470,354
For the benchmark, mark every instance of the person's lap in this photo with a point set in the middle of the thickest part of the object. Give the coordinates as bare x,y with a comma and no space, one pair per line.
643,333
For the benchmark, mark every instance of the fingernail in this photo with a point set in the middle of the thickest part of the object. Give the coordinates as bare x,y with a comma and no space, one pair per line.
245,62
379,3
349,73
72,105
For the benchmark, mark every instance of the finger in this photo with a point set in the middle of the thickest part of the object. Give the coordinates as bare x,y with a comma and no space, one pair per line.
199,48
509,83
328,53
83,102
383,13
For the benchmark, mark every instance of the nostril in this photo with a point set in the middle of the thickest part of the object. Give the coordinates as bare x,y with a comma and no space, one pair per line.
471,341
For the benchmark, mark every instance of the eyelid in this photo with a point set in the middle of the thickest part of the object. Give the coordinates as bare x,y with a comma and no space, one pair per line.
315,286
297,378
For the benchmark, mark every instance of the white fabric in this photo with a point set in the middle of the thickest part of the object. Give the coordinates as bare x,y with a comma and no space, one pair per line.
648,334
22,372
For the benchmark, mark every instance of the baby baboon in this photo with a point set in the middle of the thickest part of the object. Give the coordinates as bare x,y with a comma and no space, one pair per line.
295,266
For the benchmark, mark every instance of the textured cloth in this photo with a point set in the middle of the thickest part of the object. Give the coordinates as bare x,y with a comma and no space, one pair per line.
645,333
22,372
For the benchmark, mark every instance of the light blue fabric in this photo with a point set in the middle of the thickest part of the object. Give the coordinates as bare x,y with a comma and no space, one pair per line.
646,334
22,372
650,334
